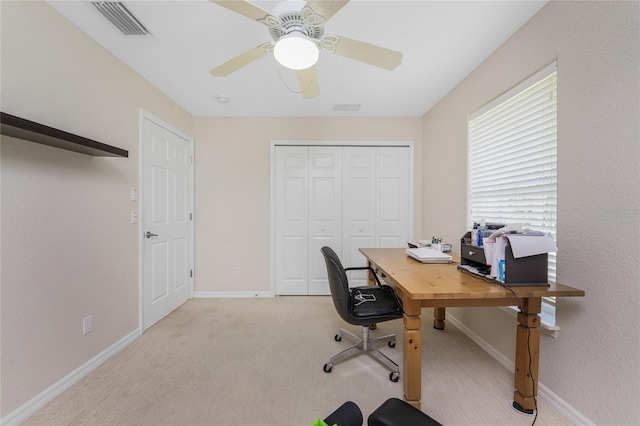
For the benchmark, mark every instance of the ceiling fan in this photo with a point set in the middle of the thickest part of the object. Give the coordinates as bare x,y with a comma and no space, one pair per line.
297,29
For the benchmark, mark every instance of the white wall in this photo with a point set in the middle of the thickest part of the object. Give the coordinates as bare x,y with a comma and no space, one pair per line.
232,223
68,249
594,364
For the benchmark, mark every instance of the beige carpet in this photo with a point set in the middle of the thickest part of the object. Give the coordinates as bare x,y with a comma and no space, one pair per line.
259,362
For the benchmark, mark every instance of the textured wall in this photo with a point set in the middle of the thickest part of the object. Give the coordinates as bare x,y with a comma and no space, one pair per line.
594,364
232,223
68,249
65,216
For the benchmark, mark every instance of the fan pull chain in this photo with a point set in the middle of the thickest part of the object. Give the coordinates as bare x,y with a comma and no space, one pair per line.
290,89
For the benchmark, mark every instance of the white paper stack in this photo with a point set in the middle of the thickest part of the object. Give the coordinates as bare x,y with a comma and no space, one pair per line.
530,245
428,255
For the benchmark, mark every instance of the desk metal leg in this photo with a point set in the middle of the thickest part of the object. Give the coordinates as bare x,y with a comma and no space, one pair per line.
439,315
412,354
527,356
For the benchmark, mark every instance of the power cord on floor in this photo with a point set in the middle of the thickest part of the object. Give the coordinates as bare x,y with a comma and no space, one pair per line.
533,379
491,279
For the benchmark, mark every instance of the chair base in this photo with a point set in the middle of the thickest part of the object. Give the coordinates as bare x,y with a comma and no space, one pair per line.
365,345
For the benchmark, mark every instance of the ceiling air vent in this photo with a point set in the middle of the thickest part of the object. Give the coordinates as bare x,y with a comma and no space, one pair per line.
119,15
346,107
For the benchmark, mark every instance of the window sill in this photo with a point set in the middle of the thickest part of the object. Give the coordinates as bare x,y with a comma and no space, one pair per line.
547,321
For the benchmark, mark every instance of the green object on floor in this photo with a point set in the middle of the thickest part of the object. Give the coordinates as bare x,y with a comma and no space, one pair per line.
320,422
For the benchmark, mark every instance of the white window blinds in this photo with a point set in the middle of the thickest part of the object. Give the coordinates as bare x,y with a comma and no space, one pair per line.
512,168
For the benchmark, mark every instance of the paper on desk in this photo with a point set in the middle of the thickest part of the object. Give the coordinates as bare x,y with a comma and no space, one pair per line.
498,255
529,245
428,255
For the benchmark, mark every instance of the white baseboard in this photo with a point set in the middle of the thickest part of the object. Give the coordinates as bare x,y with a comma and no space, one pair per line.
231,294
46,396
571,413
543,392
495,354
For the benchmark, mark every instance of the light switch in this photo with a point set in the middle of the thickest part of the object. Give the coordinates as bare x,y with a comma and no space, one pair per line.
134,216
134,194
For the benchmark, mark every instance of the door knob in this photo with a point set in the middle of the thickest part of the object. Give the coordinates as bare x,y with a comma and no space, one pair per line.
149,234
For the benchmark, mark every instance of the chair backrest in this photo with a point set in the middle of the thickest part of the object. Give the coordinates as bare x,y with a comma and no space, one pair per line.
338,283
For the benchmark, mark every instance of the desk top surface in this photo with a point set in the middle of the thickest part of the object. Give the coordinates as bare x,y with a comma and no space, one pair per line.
445,282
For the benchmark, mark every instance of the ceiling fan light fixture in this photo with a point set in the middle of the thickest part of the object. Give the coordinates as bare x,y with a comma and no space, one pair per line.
296,51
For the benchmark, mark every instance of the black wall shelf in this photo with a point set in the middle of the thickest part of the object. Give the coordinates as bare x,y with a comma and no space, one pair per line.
21,128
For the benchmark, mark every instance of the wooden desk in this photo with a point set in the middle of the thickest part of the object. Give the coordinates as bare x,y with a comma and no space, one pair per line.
441,285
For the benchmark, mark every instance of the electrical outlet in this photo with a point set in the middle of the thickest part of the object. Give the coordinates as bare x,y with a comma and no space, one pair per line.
134,216
87,325
236,271
134,194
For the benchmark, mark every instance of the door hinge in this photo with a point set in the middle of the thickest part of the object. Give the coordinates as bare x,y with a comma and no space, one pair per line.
191,159
190,216
191,273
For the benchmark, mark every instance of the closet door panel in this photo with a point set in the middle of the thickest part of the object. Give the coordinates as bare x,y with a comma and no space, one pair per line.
359,213
294,269
392,196
357,278
292,222
325,212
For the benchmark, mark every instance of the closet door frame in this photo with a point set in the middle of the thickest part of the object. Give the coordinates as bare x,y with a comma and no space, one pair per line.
309,143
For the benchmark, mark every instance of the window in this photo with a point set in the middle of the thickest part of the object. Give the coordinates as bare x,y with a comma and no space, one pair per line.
512,161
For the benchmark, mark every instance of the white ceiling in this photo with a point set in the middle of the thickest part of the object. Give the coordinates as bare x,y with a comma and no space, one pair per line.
441,42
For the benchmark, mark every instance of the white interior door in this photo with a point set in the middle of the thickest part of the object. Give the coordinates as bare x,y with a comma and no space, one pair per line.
166,221
325,212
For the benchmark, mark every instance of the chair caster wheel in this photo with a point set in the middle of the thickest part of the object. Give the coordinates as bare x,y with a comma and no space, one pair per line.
337,337
394,377
392,344
329,366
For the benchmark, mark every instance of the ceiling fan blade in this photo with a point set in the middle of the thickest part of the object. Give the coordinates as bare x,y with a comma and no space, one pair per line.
242,7
368,53
238,62
326,8
308,80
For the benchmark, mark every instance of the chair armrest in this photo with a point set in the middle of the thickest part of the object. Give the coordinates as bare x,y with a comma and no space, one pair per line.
365,268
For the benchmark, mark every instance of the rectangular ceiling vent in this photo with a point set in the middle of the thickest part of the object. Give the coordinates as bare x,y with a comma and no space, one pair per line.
346,107
119,15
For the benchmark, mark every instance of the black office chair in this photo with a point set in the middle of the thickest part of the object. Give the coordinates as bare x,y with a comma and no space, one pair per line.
362,306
